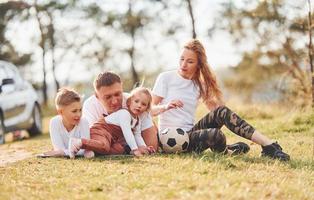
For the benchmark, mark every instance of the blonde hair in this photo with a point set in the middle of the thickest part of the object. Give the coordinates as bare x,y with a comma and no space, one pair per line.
141,90
204,78
66,96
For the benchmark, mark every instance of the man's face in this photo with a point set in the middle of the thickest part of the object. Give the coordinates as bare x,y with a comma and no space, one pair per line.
111,97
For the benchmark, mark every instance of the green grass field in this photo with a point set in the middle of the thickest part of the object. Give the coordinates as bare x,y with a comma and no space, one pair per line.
182,176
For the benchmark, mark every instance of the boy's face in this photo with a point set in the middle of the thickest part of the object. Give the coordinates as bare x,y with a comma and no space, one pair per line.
71,114
111,97
138,103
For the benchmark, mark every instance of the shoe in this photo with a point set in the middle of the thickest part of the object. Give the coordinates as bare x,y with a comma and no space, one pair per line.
274,151
75,145
89,154
238,148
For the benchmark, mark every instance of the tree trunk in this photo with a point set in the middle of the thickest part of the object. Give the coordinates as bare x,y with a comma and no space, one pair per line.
53,44
42,45
311,50
132,51
192,18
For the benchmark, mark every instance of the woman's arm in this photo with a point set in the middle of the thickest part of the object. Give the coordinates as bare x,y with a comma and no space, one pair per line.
157,108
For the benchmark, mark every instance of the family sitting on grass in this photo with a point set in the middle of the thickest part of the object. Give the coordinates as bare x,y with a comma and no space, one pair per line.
112,122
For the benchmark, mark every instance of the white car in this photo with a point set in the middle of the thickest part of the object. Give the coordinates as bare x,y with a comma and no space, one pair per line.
19,105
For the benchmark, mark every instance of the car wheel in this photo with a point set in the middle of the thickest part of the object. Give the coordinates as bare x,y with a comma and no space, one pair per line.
1,130
37,122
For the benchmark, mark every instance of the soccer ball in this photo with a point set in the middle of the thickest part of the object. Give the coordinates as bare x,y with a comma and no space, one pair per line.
174,140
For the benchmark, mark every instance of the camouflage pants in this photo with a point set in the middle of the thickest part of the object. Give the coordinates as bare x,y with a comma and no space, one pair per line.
206,133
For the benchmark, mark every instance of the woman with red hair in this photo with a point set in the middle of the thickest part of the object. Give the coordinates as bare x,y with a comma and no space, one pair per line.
176,95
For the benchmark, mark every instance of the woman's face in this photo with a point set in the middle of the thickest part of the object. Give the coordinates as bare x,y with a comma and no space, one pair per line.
188,64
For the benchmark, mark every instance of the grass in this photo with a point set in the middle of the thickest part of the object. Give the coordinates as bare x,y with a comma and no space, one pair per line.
180,176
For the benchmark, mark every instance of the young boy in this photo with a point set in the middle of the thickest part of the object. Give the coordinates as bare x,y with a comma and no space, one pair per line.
68,124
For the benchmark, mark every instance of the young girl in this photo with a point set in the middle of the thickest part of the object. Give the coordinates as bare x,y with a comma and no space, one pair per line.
67,124
119,132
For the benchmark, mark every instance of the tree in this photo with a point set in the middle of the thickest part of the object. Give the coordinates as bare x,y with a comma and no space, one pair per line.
190,7
128,24
278,50
47,43
310,49
8,12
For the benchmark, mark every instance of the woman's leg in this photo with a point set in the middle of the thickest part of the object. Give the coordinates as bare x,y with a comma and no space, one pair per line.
224,116
212,138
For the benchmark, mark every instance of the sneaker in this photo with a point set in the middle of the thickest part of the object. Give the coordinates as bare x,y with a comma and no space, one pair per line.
274,151
238,148
75,145
89,154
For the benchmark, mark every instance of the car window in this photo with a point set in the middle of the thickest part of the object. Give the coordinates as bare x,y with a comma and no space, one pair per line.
14,74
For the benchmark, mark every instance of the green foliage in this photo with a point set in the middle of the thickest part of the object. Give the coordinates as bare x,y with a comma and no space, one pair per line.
279,51
10,11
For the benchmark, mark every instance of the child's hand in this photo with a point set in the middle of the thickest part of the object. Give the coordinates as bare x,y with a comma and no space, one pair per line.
144,150
136,153
151,149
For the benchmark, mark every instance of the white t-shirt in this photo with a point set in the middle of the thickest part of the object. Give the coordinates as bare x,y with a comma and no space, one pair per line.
171,86
60,136
93,110
125,120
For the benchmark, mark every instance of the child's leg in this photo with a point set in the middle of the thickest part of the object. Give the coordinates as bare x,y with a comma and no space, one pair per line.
99,143
117,148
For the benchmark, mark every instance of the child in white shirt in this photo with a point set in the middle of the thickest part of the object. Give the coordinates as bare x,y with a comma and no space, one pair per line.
120,129
68,124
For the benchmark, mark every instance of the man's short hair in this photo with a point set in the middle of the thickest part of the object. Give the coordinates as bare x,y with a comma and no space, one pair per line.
106,79
66,96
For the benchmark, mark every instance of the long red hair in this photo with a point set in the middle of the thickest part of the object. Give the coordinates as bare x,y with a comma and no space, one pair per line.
204,77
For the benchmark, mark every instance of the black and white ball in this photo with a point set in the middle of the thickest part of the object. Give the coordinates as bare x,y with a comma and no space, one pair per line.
174,140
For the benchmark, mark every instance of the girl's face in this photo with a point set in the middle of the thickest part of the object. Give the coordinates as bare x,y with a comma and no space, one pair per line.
71,114
138,103
188,64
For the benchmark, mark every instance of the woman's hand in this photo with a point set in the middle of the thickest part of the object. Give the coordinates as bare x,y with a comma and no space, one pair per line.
158,109
174,104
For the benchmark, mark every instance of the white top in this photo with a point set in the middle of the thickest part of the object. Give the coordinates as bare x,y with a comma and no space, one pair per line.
171,86
93,110
60,136
125,120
